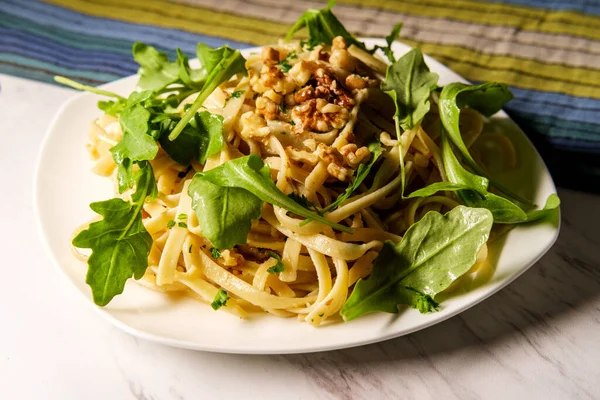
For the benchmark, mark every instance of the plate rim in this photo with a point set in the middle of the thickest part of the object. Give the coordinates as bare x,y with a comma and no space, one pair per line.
232,349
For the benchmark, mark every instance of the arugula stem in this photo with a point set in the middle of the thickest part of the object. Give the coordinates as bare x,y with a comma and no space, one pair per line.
86,88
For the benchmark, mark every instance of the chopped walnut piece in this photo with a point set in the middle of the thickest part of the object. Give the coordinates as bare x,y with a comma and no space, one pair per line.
302,156
354,81
267,108
304,94
231,258
338,43
253,126
269,56
353,155
302,71
341,58
338,172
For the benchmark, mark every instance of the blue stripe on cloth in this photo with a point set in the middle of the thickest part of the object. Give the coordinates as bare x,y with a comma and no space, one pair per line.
58,17
39,47
543,103
583,6
58,35
15,59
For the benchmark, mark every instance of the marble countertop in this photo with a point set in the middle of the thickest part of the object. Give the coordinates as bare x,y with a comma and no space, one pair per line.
537,338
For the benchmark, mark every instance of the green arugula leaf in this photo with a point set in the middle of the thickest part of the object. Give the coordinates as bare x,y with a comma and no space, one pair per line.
389,39
86,88
432,189
156,71
457,174
250,183
120,243
136,144
193,78
362,172
409,82
487,98
277,268
323,27
225,214
230,62
433,253
220,300
552,204
474,192
199,139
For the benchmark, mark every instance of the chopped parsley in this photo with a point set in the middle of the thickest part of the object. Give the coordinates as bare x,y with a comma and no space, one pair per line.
237,94
292,123
292,55
182,216
283,132
182,225
170,224
285,65
215,253
220,300
282,108
277,268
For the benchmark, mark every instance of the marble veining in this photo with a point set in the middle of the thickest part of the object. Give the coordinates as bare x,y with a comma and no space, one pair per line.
537,338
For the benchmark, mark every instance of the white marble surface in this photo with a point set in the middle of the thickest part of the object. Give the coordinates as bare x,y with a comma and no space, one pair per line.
538,338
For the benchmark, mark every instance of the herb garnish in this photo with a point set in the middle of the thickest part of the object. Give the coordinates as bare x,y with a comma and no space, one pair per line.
220,300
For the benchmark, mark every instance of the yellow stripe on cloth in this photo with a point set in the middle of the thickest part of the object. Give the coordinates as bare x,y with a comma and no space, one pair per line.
554,72
560,22
177,16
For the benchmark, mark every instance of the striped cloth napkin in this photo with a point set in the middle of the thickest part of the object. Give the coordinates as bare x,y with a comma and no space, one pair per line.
548,51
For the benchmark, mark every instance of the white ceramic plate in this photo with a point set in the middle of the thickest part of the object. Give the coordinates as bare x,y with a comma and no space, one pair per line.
64,187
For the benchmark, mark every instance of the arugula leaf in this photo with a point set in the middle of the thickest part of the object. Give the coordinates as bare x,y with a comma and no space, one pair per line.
277,268
389,39
86,88
230,62
323,27
193,78
120,243
199,139
433,253
136,144
487,98
220,300
225,214
251,179
474,192
552,203
156,71
409,82
435,187
457,174
362,172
